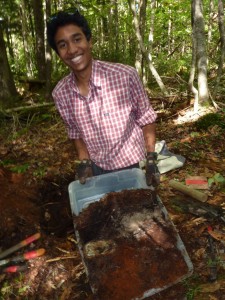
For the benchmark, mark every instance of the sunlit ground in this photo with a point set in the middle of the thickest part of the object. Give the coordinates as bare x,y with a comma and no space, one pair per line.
188,115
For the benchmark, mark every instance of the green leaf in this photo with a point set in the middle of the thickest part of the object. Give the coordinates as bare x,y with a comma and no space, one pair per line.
219,178
23,289
210,181
20,169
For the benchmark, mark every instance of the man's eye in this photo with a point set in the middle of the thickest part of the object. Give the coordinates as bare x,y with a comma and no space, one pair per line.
77,40
62,45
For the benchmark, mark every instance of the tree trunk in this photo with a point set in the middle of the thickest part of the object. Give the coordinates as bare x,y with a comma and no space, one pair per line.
193,62
169,43
152,23
40,40
141,17
210,21
222,44
199,35
142,26
146,55
48,55
151,28
113,30
9,44
103,30
7,86
27,41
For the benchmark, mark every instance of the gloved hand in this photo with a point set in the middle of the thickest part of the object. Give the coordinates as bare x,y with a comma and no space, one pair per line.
84,170
152,173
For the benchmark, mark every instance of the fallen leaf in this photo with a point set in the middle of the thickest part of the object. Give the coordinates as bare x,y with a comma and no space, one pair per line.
3,150
210,287
218,235
186,139
211,297
199,253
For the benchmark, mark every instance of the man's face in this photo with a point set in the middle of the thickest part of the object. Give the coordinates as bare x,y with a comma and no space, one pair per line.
73,47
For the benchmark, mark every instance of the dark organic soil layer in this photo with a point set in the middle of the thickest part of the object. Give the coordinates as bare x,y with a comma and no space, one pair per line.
129,245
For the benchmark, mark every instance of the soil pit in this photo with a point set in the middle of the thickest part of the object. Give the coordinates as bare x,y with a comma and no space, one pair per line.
129,246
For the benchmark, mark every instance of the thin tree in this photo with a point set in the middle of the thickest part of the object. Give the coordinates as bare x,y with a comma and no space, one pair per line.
48,55
27,39
147,55
152,23
192,88
222,44
40,40
141,15
201,56
113,30
8,90
210,20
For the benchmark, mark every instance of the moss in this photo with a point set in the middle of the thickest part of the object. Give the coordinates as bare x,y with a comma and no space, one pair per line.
210,120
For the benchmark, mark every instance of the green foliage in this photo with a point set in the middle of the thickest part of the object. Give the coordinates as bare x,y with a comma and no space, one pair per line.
6,162
14,288
209,120
20,169
192,286
19,133
6,290
218,180
45,117
114,36
40,172
59,69
194,134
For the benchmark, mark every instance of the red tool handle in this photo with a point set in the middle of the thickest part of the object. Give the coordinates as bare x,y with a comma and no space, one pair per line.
21,244
33,254
30,239
25,256
14,269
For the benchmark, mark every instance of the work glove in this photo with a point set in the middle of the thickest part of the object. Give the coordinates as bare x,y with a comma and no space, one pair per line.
151,170
84,170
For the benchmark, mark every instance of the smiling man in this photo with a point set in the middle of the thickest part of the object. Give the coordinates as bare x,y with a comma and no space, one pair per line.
104,106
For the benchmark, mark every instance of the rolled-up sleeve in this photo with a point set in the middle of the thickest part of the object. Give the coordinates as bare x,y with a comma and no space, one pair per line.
144,112
66,111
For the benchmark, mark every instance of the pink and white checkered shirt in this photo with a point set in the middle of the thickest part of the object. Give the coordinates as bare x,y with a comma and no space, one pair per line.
110,118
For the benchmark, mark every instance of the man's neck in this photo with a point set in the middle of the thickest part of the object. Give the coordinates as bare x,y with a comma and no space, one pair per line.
82,80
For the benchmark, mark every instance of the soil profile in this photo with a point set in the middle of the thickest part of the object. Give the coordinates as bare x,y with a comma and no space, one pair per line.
129,245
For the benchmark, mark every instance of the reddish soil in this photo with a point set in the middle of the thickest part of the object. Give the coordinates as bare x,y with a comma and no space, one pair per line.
129,246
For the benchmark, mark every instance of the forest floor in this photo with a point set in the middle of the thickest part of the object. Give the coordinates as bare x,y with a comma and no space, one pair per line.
37,165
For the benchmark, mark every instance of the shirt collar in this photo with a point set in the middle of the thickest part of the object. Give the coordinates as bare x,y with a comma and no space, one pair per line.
95,75
72,82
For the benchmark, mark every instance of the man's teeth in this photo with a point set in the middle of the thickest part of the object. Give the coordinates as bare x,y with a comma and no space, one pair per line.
76,59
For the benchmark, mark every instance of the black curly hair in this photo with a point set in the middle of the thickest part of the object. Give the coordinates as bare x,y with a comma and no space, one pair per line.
63,18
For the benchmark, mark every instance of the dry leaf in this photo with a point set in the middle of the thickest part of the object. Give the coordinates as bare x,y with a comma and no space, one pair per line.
211,297
210,287
218,235
199,253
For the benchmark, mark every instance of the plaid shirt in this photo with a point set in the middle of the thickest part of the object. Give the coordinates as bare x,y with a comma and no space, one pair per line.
110,118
